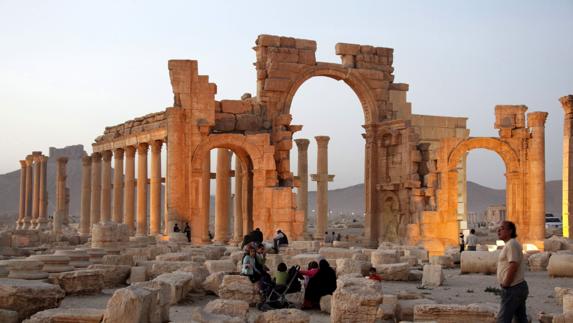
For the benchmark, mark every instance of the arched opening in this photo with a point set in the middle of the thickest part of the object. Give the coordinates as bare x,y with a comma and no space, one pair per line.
327,108
484,193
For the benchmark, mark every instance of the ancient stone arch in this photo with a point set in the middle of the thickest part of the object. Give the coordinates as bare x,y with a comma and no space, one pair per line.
521,148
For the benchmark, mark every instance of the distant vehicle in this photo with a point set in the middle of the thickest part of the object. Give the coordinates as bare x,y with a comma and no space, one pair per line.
553,223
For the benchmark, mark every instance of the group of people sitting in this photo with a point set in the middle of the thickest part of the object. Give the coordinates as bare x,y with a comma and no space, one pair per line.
255,238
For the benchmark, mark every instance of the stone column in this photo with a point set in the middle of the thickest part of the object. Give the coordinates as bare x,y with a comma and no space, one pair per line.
43,211
238,210
321,178
165,217
155,188
129,189
117,216
222,195
142,149
536,157
302,192
567,204
96,189
203,231
29,176
36,189
86,196
106,186
22,205
60,195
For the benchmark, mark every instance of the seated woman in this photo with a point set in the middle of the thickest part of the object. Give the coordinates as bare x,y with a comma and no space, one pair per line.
322,283
249,267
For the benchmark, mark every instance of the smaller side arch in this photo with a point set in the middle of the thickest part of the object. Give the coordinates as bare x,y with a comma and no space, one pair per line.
235,142
507,154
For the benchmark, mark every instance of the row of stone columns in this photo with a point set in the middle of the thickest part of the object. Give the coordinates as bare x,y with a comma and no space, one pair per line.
33,206
98,190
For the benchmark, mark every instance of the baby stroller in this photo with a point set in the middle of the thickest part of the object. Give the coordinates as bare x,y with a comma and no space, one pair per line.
274,296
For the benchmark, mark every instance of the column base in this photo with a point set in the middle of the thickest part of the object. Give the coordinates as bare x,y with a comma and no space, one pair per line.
42,224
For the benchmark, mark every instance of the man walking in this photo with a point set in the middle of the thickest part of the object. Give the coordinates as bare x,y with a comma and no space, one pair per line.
472,240
510,275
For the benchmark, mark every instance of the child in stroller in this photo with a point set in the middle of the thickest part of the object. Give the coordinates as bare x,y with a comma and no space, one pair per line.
274,296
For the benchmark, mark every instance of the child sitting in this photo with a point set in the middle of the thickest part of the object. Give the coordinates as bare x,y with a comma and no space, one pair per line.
281,276
310,272
374,275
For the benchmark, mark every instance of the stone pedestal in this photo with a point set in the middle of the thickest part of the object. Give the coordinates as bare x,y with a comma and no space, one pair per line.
109,235
321,178
78,258
95,254
26,269
54,263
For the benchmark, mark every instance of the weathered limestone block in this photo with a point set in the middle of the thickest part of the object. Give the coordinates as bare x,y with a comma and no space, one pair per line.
291,315
399,271
307,246
420,253
539,261
78,258
567,302
405,308
65,315
554,244
7,316
113,276
230,307
411,260
226,265
415,275
341,244
174,256
163,299
560,265
201,316
484,262
237,256
84,281
137,274
238,287
132,304
452,313
566,317
326,303
361,257
335,253
28,297
26,269
559,292
444,261
349,266
248,122
380,257
199,272
454,253
304,259
433,276
387,310
213,282
181,283
109,235
53,263
125,260
96,255
356,300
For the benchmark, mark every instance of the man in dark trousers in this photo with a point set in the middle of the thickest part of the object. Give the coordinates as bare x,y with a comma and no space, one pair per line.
187,231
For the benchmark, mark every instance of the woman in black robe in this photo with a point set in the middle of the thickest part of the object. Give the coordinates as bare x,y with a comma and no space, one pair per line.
322,283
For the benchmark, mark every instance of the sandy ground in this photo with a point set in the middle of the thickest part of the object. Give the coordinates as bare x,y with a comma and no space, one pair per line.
458,289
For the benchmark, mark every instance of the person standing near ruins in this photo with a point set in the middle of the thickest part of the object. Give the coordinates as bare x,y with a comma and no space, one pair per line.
187,231
472,240
510,275
462,242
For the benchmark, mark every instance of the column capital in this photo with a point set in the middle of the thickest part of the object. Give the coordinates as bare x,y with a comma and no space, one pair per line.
106,155
130,151
23,163
322,140
29,160
44,159
156,146
142,148
302,144
36,155
567,103
536,119
118,153
86,161
96,157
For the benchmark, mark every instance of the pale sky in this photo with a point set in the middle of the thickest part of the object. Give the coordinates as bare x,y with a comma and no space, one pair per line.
70,68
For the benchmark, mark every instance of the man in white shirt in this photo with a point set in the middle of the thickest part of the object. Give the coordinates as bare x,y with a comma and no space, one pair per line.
510,275
472,240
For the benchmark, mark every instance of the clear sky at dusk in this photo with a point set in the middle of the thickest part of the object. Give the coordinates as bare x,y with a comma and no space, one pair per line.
70,68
